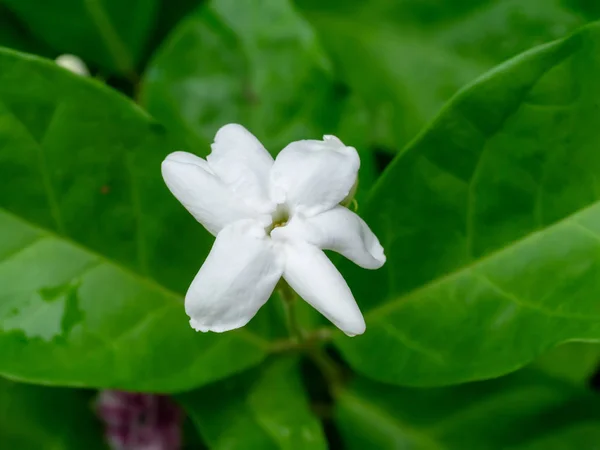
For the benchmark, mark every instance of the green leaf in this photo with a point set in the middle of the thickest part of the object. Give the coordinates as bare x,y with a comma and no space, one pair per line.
170,13
523,409
575,362
491,224
406,59
351,131
110,33
255,62
583,436
14,35
33,417
267,411
87,230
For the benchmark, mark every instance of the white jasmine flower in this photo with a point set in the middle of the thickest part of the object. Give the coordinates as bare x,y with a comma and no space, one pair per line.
272,219
73,63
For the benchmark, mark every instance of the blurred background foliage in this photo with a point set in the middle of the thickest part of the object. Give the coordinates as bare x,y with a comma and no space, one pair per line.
373,73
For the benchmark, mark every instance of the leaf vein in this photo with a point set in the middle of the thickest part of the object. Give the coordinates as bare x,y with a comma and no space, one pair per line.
17,251
388,306
414,345
51,196
470,213
526,304
137,210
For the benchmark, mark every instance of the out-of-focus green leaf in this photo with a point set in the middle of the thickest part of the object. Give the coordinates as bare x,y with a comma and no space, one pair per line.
267,410
255,62
407,58
575,361
14,34
584,436
109,33
82,207
170,13
34,418
350,130
491,224
523,409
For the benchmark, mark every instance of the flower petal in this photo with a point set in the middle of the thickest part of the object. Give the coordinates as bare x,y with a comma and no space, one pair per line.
313,176
192,182
243,164
340,230
310,273
236,279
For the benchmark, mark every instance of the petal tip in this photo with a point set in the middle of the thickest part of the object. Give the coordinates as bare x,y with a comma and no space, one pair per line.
333,139
198,326
171,169
354,323
166,169
375,249
177,156
230,129
181,157
215,328
356,329
379,255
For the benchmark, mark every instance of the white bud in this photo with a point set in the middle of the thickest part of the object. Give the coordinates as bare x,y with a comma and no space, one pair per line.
74,64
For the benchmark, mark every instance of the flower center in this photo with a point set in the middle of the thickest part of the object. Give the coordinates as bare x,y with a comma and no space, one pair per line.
280,217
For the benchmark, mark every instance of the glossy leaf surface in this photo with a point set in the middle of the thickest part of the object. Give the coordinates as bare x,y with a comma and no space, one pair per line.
575,362
406,59
87,230
109,33
247,62
267,410
34,417
491,224
523,410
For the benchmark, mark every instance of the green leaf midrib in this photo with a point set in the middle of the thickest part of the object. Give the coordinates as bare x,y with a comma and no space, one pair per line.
52,199
44,172
140,245
432,435
391,303
399,301
457,98
392,423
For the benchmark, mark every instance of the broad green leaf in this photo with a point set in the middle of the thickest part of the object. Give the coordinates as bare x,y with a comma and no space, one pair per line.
33,418
521,410
109,33
408,58
255,62
266,410
575,362
491,224
87,231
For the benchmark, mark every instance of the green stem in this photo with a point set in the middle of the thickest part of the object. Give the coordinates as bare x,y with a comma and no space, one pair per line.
311,344
317,337
288,298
